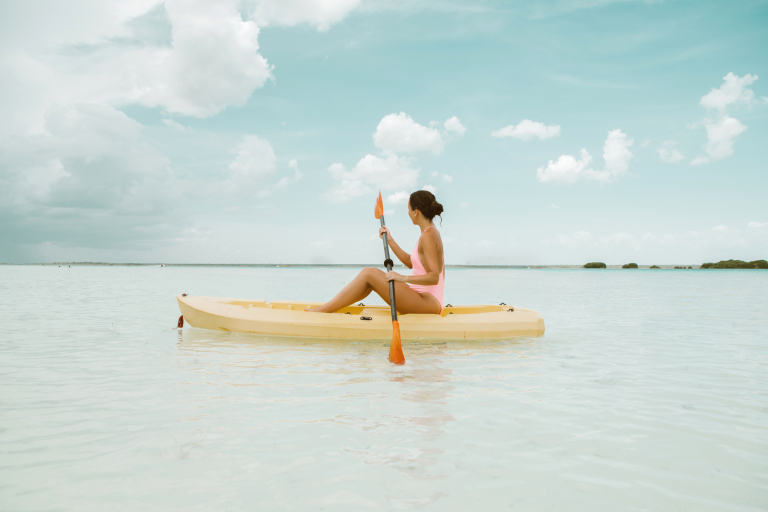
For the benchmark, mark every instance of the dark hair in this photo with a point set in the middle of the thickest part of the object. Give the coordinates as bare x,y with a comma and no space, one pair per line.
425,202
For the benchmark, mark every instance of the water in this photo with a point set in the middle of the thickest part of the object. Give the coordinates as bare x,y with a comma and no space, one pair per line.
647,392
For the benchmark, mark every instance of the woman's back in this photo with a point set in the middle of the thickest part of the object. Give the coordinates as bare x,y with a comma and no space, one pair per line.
436,290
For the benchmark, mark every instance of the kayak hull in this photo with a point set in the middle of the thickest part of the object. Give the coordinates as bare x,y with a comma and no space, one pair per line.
288,318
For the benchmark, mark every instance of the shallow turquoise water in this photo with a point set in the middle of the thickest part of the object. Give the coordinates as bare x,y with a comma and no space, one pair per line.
649,391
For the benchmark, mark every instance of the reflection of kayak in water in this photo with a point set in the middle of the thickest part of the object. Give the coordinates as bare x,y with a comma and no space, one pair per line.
288,318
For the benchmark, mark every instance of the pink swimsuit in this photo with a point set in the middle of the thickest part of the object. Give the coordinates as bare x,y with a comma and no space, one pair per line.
435,290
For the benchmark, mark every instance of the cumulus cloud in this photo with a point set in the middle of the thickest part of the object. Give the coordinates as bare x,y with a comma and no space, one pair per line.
319,13
401,134
189,57
669,154
453,125
721,134
568,169
528,130
89,179
255,163
176,125
396,133
757,225
287,180
734,90
723,129
429,188
68,152
386,172
398,197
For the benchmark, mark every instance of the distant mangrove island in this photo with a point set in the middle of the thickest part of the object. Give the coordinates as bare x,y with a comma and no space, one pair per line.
762,264
726,264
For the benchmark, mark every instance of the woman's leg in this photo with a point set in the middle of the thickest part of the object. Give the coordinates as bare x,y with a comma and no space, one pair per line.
373,279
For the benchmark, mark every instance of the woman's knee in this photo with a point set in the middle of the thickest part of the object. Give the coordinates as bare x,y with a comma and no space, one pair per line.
371,272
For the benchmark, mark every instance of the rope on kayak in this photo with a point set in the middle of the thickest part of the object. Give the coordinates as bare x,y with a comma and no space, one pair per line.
181,322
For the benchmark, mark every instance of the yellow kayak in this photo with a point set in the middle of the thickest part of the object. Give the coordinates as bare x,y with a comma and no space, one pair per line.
288,318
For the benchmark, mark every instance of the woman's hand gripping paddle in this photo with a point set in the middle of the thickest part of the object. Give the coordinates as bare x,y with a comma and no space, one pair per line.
396,349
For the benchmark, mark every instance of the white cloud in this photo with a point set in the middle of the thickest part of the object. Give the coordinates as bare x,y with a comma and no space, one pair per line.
287,180
176,125
254,164
758,225
429,188
189,57
551,206
319,13
567,169
616,154
398,197
346,190
453,125
720,137
463,205
734,90
386,172
528,130
722,131
669,154
89,179
401,134
720,228
389,171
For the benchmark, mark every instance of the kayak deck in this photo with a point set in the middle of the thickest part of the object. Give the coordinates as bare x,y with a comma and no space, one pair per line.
288,318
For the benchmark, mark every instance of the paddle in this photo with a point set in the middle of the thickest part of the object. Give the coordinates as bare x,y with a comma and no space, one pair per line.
395,349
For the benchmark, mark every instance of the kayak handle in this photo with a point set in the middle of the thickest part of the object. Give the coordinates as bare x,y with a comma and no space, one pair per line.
366,318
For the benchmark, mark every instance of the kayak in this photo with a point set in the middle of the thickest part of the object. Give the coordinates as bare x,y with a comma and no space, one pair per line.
288,318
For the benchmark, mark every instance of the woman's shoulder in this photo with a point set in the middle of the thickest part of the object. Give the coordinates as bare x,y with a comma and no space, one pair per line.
432,234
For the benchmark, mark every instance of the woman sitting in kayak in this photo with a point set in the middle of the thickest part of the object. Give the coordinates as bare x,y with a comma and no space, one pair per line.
425,293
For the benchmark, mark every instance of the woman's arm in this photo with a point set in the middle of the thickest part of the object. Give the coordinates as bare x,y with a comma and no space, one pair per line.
401,254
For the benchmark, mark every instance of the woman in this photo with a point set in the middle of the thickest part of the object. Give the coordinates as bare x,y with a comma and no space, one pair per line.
425,293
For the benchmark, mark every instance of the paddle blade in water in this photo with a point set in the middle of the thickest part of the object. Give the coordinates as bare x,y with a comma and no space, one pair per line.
379,211
396,349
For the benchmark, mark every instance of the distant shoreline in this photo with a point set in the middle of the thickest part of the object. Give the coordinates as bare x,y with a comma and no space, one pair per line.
335,265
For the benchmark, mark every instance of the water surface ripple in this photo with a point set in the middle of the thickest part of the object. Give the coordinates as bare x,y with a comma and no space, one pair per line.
649,391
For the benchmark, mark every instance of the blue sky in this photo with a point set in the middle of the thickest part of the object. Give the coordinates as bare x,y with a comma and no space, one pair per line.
259,131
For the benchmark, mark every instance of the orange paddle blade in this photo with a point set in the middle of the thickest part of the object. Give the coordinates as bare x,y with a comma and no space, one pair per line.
379,211
396,349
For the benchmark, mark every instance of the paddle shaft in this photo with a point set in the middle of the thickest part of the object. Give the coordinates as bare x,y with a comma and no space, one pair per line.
388,265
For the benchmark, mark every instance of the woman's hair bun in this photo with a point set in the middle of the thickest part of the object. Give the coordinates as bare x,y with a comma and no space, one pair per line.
435,208
425,202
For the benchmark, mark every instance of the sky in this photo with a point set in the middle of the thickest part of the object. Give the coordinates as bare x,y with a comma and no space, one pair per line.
260,131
